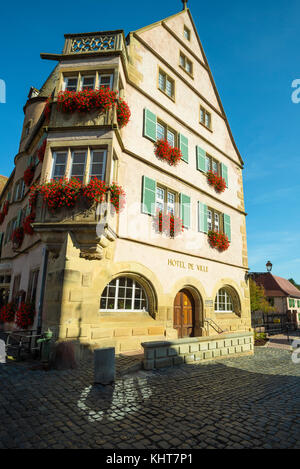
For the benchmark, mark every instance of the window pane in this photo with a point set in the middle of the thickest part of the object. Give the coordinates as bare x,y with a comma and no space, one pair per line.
207,163
59,165
209,220
105,81
78,165
215,166
98,159
160,131
171,138
88,83
207,120
182,61
162,81
169,88
188,66
202,116
71,84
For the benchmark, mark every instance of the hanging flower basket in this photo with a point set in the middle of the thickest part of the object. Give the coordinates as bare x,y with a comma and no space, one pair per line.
41,151
65,193
165,151
17,237
25,316
27,224
218,182
29,175
7,313
123,113
218,240
168,224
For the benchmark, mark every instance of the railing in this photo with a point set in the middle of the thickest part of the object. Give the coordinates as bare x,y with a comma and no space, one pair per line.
88,43
214,325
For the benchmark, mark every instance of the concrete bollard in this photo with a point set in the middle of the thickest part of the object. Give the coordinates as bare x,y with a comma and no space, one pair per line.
2,352
104,362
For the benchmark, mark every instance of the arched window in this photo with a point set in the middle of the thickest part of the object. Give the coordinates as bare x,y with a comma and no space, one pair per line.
124,294
224,301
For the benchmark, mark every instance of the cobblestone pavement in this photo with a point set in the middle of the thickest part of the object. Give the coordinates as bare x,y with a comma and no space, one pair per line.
245,402
283,341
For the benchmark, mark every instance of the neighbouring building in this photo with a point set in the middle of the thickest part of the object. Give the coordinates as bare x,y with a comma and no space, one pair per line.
282,295
119,278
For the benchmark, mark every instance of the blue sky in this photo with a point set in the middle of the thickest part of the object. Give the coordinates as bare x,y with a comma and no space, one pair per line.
253,50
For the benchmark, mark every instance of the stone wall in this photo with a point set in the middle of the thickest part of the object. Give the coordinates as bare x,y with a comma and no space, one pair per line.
177,352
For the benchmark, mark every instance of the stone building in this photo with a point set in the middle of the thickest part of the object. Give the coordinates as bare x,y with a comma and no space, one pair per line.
282,295
107,278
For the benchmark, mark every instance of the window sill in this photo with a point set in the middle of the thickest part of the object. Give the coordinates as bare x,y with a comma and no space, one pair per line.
188,73
207,128
172,98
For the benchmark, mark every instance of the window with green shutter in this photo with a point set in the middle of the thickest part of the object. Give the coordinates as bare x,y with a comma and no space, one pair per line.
148,196
224,172
202,218
185,210
201,156
150,121
227,226
184,147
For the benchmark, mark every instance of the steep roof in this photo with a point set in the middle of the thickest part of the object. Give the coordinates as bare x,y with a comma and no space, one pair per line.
202,57
276,286
3,181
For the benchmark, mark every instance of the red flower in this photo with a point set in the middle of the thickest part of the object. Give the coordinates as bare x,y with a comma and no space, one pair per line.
165,151
41,151
17,237
29,175
167,223
25,316
218,240
7,313
217,181
123,113
27,224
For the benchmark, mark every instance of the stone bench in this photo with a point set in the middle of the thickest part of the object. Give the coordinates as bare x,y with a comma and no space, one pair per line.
166,354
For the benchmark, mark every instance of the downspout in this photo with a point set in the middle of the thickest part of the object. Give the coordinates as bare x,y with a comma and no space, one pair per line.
42,294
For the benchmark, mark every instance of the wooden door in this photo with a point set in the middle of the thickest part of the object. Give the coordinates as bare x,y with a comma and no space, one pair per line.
184,314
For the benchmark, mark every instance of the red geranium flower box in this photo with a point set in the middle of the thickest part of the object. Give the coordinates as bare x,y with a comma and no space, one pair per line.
169,224
17,237
218,240
25,316
29,175
217,181
165,151
7,313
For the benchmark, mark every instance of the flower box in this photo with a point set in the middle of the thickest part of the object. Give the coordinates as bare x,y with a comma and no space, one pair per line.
218,240
86,101
29,175
7,313
165,151
17,237
168,224
218,182
25,316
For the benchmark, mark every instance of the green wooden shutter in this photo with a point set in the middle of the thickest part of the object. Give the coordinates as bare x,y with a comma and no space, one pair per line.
227,226
149,196
185,210
202,218
224,171
201,155
150,125
184,147
19,218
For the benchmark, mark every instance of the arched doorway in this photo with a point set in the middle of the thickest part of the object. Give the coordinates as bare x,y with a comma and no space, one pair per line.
184,314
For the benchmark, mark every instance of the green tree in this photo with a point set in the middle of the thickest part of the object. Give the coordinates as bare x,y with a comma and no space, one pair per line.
258,298
294,283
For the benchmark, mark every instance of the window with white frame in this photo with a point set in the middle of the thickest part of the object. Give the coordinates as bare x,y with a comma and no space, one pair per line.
164,132
213,220
166,84
223,302
165,200
82,164
124,294
94,80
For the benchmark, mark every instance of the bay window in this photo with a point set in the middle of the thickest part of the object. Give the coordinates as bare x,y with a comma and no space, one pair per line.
82,164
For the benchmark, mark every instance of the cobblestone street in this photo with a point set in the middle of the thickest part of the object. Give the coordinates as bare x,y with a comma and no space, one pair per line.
246,402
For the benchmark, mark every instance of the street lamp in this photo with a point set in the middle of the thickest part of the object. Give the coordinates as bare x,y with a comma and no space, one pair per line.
269,266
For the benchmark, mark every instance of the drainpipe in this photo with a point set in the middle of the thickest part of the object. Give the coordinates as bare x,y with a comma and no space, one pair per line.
42,294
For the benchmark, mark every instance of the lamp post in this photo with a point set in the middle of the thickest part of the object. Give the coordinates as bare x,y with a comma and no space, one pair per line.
269,266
